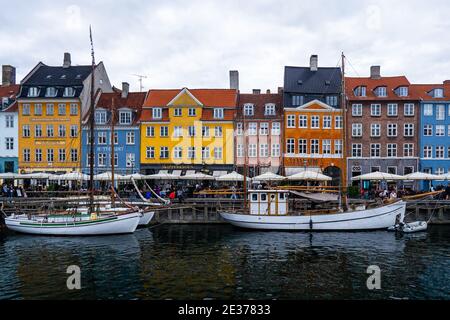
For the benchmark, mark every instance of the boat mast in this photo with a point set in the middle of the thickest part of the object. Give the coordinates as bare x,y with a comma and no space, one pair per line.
245,158
91,130
113,119
342,191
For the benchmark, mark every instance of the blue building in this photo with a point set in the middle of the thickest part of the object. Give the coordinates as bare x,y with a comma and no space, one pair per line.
127,110
434,137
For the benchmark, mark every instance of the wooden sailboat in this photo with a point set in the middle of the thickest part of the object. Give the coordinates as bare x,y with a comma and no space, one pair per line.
63,224
269,209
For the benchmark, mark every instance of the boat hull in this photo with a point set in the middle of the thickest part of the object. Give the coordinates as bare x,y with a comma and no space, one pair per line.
120,224
370,219
146,218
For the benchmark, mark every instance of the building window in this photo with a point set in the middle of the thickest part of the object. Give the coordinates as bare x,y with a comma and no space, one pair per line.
392,130
51,92
302,121
291,121
205,131
276,128
264,129
408,109
74,155
269,110
290,146
38,131
38,109
338,147
26,131
131,160
252,150
440,171
163,131
360,91
150,152
357,150
178,131
375,150
218,153
205,153
116,138
392,170
240,150
150,132
357,110
264,150
315,146
101,138
392,150
218,132
408,170
297,100
61,109
9,143
125,117
392,109
402,91
178,153
440,112
440,131
100,117
248,110
50,131
26,155
357,130
440,152
156,113
338,123
408,150
408,130
38,155
130,138
428,130
375,110
73,131
218,113
73,109
102,159
332,101
428,152
315,122
69,92
375,169
326,146
375,130
177,112
62,155
239,129
327,122
191,131
9,121
164,152
192,112
252,128
302,146
50,110
428,109
275,150
50,155
381,92
26,110
33,92
438,93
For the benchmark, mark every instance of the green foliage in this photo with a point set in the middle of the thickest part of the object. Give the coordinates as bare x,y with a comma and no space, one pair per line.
353,191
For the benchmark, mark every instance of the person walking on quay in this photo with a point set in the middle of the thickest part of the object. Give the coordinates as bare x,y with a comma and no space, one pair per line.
180,194
233,194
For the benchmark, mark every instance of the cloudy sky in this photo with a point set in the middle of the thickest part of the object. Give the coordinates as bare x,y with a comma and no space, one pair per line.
195,43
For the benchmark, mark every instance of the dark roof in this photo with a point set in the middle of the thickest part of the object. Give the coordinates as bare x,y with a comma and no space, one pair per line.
259,102
303,80
46,76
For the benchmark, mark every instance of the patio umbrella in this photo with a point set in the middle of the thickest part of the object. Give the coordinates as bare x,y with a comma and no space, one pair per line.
421,176
34,175
197,176
107,176
135,176
444,176
309,176
233,176
161,176
8,175
72,176
269,176
376,176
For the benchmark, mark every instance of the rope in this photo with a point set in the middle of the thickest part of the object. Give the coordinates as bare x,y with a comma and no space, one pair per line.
138,191
156,195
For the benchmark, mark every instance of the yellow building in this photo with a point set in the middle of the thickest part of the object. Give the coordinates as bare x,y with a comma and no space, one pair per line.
51,104
186,129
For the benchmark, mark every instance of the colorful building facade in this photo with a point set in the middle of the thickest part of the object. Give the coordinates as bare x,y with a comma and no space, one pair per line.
434,136
51,104
259,132
188,130
382,124
127,111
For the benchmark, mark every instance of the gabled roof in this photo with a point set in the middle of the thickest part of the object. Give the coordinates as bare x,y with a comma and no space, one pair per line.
303,80
391,83
423,91
308,107
259,102
207,97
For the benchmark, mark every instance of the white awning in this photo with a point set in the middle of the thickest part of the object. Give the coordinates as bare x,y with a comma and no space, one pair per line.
295,170
176,173
163,171
189,172
219,173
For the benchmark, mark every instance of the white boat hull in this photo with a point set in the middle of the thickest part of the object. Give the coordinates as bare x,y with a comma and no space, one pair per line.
370,219
119,224
146,218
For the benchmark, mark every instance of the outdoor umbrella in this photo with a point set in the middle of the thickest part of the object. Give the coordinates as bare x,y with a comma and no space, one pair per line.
421,176
135,176
233,176
376,176
7,175
197,176
269,176
72,176
107,176
161,176
309,176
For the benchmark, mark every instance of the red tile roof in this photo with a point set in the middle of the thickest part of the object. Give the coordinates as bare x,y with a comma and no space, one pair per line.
259,101
208,97
423,91
391,83
9,91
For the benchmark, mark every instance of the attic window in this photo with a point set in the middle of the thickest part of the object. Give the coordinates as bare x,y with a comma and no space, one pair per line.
300,82
402,91
360,91
438,93
381,92
51,92
69,92
33,92
78,76
327,83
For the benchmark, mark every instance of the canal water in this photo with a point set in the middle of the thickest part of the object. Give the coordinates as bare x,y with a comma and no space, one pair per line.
221,262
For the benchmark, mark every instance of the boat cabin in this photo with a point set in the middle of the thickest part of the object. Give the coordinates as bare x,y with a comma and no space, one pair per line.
268,202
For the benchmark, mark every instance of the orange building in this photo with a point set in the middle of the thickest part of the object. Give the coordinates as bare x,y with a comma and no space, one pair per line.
313,135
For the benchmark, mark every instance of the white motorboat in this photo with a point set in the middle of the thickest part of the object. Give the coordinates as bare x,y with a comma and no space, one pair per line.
411,227
269,210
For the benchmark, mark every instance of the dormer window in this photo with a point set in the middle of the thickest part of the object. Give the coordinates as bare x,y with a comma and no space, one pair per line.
360,91
33,92
125,117
438,93
69,92
218,113
157,113
100,117
402,91
248,110
381,92
269,109
50,92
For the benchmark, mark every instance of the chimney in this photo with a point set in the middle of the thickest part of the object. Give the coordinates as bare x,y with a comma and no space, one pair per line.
268,91
280,90
375,72
234,79
67,62
256,91
8,75
447,82
314,62
125,89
